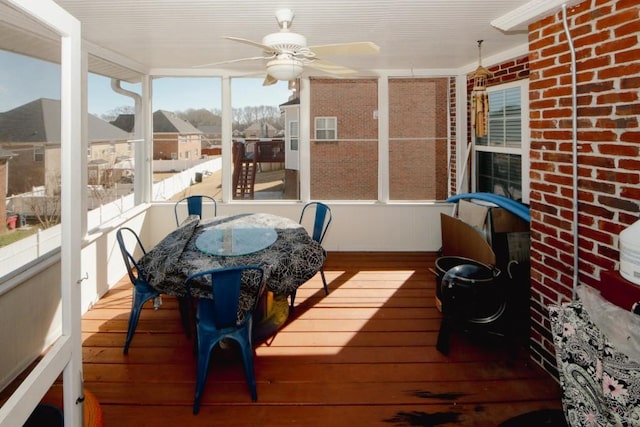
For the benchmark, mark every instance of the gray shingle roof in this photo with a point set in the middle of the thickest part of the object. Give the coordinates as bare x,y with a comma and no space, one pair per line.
39,121
166,121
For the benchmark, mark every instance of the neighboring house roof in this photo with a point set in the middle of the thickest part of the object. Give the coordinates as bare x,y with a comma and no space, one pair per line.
125,122
166,121
294,101
211,129
39,121
258,128
6,154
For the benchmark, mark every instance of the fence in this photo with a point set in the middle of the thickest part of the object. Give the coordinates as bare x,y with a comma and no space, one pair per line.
24,251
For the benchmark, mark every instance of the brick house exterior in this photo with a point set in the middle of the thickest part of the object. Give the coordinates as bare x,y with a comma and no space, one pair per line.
353,103
175,138
605,36
417,137
32,133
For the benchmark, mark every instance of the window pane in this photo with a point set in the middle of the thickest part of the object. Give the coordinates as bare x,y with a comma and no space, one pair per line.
345,168
294,134
512,101
111,154
500,173
513,132
259,131
186,137
505,127
30,142
418,138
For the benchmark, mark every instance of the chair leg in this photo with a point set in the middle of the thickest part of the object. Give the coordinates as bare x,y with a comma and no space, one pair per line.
139,298
185,315
293,297
247,358
324,281
204,355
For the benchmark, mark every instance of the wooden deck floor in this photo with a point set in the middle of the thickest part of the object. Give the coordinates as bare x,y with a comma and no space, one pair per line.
362,356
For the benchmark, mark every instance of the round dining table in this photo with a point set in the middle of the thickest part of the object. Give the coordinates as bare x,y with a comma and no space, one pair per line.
279,245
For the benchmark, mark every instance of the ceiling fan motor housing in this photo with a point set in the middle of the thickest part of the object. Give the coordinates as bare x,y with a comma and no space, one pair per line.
285,42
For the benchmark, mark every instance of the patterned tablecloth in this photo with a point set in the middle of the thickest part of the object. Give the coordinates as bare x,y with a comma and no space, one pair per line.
289,262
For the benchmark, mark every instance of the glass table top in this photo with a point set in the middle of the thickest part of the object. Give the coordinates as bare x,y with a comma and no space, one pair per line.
235,240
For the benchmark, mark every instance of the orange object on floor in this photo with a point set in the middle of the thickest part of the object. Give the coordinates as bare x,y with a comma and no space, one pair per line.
92,410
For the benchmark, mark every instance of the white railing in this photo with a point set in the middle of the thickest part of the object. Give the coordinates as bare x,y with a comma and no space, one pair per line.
167,188
24,251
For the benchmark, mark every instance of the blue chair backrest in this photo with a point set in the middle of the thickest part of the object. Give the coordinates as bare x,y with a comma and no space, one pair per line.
129,260
321,220
194,205
226,286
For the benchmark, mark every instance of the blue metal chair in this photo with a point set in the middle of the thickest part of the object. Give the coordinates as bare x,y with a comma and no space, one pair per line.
142,291
321,222
194,205
227,315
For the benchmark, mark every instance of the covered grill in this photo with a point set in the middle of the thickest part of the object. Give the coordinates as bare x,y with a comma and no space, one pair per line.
473,298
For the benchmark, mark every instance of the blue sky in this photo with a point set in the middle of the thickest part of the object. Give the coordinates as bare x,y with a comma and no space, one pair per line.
24,79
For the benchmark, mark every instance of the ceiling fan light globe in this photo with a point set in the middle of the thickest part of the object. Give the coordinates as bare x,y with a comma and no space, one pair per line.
284,69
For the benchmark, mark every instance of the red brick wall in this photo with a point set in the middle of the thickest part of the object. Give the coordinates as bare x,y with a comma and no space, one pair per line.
418,137
336,172
166,143
605,36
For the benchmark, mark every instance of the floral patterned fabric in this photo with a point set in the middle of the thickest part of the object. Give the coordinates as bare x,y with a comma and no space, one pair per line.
289,262
601,386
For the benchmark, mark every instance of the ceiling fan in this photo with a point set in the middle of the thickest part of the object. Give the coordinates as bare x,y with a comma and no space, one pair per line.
287,53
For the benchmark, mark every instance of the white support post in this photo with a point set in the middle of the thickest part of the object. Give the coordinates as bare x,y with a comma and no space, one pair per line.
305,140
383,139
227,137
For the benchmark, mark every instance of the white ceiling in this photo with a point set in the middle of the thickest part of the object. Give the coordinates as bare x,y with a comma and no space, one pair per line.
412,34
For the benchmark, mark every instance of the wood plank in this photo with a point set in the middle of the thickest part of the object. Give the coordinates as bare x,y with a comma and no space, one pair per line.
363,355
250,415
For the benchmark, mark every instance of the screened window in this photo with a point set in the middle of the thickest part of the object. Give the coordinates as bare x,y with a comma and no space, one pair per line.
344,166
501,155
418,138
326,128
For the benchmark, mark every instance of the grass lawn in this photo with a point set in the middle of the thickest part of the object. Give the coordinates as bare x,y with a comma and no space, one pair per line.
14,235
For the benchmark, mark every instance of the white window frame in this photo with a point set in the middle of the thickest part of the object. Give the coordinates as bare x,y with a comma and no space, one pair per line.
294,135
523,150
331,124
38,154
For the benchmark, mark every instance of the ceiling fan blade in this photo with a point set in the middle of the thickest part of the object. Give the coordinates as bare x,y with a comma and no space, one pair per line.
328,67
269,80
231,61
251,43
344,49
